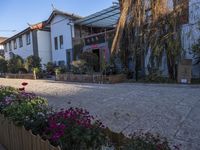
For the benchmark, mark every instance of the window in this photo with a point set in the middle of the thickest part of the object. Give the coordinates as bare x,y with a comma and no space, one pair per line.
56,43
10,46
28,38
15,44
61,41
20,42
61,63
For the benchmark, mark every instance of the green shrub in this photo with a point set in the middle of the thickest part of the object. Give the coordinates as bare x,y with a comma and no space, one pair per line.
15,64
7,91
79,67
30,113
75,129
50,68
147,141
3,65
32,62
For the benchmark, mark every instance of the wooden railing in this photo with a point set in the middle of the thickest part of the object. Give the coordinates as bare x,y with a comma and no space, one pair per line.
13,137
20,76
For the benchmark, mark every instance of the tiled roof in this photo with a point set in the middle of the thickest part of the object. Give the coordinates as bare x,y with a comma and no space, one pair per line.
58,12
37,26
2,39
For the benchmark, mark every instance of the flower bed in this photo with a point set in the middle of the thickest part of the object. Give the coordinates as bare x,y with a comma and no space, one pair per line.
33,122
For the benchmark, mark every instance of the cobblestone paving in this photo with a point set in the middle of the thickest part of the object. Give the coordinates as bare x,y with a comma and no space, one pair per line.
171,110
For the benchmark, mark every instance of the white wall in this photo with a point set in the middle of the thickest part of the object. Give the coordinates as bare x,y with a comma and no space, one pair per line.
1,47
191,33
60,26
24,51
44,46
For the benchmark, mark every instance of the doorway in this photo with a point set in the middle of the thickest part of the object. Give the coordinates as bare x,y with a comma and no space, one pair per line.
97,66
68,59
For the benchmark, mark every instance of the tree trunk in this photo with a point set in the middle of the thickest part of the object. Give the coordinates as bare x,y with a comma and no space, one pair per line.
124,4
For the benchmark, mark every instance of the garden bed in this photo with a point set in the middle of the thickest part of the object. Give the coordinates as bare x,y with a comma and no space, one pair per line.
93,78
18,138
20,76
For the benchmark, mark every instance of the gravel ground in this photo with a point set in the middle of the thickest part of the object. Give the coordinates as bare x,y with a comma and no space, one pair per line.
170,110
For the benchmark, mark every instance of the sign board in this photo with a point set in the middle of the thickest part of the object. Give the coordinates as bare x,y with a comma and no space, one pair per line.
185,71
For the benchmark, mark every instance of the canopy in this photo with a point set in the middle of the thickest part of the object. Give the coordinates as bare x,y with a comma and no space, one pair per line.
105,18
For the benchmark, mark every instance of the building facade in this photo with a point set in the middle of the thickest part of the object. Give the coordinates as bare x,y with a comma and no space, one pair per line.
62,32
34,40
1,46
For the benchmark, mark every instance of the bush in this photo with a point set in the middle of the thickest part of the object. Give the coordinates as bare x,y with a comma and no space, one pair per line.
32,62
3,65
50,68
141,141
75,129
7,91
79,67
91,60
15,64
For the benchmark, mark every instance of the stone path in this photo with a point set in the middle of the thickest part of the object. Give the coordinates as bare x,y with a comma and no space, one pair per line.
171,110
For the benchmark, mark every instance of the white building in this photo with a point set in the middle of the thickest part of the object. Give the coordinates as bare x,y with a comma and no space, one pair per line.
34,40
62,33
191,33
1,46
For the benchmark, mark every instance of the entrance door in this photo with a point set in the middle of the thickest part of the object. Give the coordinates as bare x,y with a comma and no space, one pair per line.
97,67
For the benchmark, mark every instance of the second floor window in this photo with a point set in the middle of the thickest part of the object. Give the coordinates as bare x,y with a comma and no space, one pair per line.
56,43
20,42
61,41
15,44
28,38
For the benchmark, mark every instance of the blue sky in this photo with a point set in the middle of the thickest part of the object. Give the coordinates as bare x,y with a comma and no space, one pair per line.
15,14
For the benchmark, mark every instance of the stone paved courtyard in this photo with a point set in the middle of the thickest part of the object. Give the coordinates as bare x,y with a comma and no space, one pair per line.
171,110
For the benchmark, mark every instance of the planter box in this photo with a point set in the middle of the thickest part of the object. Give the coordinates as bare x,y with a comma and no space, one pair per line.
18,138
20,76
117,78
95,78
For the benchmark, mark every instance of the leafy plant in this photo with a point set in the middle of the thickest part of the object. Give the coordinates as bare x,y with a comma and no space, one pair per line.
91,60
79,67
7,91
15,64
3,65
144,141
75,129
32,62
29,112
50,68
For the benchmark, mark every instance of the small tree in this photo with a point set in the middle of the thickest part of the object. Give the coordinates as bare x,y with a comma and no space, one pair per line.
32,62
15,64
3,65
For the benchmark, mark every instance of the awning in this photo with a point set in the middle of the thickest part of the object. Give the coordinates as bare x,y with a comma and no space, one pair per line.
105,18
